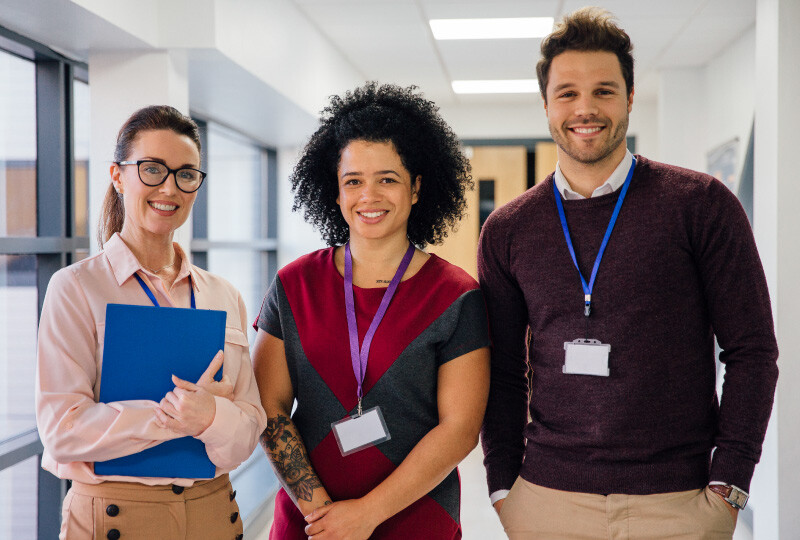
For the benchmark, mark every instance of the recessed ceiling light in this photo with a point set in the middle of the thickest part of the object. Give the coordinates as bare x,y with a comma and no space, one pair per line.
496,86
524,27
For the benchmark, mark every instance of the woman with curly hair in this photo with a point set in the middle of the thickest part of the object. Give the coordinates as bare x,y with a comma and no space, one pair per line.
383,346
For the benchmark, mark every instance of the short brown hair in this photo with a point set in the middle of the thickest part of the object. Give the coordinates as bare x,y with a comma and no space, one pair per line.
154,117
587,29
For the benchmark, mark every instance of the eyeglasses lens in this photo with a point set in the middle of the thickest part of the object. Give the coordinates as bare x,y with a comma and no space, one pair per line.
154,173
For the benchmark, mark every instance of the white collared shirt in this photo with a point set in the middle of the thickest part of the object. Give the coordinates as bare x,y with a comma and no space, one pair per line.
611,185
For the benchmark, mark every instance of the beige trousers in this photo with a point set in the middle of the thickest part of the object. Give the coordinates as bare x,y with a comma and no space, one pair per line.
207,510
535,512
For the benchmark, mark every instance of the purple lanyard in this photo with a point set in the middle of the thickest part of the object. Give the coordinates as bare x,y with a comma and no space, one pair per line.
359,358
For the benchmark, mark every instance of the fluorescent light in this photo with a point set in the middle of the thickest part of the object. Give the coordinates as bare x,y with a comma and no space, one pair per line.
525,27
496,86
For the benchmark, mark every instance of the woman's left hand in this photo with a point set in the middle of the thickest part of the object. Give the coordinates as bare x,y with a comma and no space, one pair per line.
342,520
188,410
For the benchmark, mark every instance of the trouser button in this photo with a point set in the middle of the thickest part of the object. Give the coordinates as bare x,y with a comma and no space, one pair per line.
177,490
112,510
113,534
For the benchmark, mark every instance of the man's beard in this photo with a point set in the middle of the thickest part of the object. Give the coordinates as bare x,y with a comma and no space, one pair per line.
578,152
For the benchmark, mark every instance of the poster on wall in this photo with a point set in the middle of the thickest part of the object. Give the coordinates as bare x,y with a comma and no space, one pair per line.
722,161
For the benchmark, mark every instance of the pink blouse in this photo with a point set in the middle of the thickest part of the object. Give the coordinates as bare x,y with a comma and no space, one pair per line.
75,429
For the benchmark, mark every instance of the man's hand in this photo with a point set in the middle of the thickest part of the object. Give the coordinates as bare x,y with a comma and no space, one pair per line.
734,511
498,505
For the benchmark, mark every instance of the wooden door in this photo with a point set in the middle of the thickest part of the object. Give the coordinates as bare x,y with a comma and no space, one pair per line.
505,169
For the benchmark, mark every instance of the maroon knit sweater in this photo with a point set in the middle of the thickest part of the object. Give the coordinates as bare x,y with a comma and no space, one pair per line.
681,267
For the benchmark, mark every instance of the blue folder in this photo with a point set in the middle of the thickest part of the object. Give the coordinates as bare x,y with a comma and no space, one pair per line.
144,347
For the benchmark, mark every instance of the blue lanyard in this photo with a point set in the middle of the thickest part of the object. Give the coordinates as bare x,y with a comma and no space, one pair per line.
587,289
153,297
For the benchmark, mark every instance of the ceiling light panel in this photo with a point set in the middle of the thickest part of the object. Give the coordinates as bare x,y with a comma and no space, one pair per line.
516,28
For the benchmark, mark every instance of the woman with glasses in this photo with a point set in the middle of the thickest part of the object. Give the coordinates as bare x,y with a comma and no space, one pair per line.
154,181
383,346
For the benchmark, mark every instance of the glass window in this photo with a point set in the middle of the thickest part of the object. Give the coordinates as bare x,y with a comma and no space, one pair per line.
17,146
243,268
234,186
236,173
18,326
81,154
18,503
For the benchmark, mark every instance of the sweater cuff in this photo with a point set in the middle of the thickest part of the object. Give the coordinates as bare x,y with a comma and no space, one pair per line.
728,467
500,478
218,432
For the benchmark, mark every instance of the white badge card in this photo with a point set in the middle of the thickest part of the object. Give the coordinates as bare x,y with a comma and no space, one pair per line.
586,357
358,432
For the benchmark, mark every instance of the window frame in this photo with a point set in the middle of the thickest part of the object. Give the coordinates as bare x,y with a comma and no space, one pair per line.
55,245
265,237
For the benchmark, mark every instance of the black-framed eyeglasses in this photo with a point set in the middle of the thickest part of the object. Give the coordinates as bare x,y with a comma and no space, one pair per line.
155,173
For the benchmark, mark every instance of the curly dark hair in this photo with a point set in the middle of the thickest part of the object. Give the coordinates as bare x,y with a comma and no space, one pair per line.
425,143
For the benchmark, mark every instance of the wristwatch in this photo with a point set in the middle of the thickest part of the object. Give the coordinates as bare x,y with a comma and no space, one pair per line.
733,495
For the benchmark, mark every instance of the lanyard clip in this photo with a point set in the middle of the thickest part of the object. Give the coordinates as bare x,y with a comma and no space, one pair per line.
587,308
359,407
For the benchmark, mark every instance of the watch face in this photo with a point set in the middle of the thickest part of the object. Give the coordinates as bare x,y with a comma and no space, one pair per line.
737,498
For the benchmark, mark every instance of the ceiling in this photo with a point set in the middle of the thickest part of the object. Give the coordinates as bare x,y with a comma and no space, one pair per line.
390,40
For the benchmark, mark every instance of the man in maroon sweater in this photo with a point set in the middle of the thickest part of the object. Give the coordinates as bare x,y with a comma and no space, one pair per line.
621,434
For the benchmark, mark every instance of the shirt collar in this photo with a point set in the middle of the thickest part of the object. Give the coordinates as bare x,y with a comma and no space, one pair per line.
124,263
611,185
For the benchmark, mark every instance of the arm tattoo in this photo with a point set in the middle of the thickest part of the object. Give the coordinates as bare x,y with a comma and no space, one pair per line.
289,457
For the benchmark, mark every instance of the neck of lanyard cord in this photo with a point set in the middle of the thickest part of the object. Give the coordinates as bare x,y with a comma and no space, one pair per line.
587,288
153,297
360,356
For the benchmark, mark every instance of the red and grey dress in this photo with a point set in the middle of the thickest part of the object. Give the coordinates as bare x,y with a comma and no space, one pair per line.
435,316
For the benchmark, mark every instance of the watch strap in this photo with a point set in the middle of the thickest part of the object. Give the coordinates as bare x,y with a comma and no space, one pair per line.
733,495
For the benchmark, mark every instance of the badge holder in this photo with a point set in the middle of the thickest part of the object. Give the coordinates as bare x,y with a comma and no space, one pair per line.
586,357
355,433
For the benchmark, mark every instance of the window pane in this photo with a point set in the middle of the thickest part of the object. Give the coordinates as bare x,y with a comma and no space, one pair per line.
18,326
18,501
243,268
235,175
17,146
81,153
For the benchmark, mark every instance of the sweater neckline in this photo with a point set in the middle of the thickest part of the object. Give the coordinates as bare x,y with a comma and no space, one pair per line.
609,199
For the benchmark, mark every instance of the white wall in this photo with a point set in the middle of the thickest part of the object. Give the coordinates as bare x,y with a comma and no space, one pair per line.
703,107
730,94
776,192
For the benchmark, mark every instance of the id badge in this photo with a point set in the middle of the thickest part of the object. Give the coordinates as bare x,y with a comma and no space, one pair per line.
586,357
358,432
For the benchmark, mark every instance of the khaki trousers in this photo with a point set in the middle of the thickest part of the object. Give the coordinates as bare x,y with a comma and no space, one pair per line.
207,510
535,512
